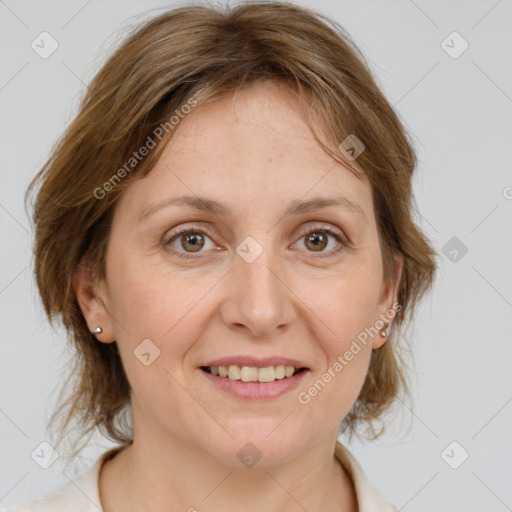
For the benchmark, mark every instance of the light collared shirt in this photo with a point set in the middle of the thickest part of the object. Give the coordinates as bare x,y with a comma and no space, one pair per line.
82,495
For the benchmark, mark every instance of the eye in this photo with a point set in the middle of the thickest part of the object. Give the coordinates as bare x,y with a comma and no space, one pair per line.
322,240
189,241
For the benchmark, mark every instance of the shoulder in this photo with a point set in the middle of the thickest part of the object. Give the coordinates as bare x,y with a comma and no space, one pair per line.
369,499
66,498
79,495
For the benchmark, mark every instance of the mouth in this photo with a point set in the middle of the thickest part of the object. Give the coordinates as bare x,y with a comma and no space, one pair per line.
266,374
263,382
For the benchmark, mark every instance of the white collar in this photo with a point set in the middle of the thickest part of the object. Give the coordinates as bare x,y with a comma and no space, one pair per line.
82,494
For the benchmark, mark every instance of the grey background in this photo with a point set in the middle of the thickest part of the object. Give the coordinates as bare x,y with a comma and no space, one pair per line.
460,112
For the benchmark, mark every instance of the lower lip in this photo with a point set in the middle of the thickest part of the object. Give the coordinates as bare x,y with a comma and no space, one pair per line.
255,390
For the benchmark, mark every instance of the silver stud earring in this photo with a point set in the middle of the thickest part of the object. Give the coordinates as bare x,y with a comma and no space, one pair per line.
98,330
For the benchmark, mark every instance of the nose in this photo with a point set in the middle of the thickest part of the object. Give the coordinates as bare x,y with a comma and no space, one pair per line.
258,301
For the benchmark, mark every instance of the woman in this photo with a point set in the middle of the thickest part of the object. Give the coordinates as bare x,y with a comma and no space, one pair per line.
226,232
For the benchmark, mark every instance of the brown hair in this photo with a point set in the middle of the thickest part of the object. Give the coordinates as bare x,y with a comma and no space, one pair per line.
197,53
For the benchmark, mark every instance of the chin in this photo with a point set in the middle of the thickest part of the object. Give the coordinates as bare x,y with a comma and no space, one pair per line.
255,447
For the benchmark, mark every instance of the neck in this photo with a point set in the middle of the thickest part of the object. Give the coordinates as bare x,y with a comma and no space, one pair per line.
161,473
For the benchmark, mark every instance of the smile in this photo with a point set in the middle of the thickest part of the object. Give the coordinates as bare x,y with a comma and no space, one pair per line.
252,382
253,373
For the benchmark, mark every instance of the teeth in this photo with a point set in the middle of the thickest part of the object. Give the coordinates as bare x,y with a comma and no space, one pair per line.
234,372
252,373
281,372
249,374
267,374
288,371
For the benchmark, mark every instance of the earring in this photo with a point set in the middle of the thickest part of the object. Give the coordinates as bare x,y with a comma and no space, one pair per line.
98,330
383,331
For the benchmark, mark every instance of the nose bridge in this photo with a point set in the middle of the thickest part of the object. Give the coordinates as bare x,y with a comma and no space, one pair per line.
262,287
259,299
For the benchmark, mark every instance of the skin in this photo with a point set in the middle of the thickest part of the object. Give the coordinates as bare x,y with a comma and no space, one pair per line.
255,154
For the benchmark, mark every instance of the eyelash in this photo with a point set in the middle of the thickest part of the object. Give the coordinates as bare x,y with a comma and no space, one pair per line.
315,229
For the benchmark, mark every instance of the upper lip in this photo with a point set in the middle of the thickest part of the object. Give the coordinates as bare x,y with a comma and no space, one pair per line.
260,362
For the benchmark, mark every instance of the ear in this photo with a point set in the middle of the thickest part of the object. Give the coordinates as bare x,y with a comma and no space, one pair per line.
92,298
387,300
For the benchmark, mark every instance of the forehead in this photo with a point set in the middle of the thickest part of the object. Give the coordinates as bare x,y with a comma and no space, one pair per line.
248,149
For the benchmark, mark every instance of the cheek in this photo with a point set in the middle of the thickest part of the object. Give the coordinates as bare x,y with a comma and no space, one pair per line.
150,302
153,304
346,308
339,378
345,303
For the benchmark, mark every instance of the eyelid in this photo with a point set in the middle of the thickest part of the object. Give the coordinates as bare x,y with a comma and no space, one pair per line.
336,233
176,233
307,229
318,226
184,228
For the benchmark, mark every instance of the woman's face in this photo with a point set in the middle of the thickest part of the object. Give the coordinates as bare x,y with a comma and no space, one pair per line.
239,247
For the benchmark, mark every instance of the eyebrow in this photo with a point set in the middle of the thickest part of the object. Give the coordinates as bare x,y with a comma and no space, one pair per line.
205,205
